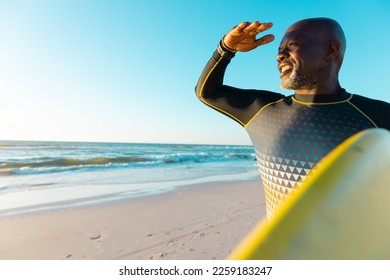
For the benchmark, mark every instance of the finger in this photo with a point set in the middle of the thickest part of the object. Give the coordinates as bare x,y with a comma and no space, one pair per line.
264,26
241,26
264,40
252,27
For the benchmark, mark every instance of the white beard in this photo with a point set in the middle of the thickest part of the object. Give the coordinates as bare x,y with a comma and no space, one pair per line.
298,81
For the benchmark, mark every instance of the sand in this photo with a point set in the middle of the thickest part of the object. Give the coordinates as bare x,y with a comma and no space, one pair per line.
198,222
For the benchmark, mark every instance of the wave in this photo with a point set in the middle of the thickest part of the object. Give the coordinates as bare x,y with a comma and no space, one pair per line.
240,156
4,145
69,162
51,165
29,157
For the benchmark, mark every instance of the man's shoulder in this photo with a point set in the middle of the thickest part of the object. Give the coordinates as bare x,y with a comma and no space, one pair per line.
356,98
377,110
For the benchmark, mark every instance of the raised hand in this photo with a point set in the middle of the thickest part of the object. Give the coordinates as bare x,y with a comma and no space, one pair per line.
243,37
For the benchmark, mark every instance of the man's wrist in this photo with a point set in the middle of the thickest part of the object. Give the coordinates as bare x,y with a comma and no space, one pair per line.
225,51
223,45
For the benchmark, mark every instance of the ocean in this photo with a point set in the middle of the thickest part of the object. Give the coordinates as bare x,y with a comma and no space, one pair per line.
40,175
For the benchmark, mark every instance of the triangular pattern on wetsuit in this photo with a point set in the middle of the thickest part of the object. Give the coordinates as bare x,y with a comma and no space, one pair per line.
290,138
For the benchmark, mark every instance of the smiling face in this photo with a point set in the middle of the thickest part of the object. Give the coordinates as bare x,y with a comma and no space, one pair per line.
301,57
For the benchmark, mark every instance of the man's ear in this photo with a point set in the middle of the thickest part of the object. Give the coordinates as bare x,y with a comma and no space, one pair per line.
332,49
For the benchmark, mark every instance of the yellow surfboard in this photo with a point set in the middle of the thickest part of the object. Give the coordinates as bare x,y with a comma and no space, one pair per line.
342,211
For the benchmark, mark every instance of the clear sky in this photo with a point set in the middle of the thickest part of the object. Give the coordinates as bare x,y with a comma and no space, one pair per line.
125,70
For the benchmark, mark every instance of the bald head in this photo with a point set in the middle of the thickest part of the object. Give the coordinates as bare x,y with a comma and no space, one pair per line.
310,56
323,29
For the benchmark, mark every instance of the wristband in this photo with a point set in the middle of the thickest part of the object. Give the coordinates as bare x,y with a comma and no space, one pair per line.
224,51
226,47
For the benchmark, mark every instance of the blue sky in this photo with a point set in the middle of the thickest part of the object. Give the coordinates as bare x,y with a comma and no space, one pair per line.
125,71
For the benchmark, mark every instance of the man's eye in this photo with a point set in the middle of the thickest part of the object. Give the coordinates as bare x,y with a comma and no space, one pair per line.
293,44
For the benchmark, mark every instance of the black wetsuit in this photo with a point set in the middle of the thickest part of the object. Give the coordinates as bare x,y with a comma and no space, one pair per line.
290,134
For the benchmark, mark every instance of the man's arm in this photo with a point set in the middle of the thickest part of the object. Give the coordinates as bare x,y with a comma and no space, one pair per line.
240,105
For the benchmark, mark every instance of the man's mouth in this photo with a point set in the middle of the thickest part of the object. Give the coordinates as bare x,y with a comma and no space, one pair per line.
285,68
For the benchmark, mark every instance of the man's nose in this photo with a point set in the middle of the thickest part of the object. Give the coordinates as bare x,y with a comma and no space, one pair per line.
282,55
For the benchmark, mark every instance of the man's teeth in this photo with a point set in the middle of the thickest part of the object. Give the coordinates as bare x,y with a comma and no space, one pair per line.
284,68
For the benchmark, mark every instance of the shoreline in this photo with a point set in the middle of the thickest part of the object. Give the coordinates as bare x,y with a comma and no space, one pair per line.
48,199
200,221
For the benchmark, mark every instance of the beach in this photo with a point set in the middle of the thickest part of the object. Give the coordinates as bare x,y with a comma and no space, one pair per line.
136,201
193,222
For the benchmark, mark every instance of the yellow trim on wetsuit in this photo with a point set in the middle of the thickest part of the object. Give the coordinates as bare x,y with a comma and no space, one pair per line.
361,112
258,112
319,103
207,103
338,102
304,103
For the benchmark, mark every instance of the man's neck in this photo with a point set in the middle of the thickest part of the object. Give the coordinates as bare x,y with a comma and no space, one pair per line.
329,88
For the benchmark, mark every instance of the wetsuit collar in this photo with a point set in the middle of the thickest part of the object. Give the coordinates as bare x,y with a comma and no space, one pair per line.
342,95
